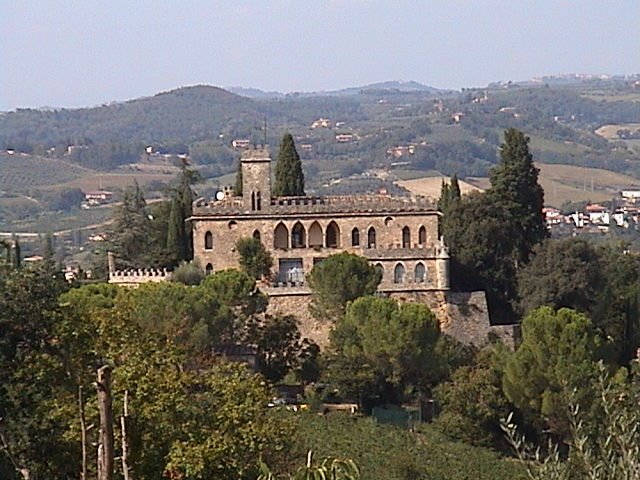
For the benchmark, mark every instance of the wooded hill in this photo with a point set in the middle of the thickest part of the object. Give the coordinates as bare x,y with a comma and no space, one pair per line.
452,132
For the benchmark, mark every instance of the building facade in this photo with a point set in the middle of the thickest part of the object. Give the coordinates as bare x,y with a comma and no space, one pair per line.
399,235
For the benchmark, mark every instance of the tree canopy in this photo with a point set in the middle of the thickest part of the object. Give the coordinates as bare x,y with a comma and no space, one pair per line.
339,279
255,260
558,354
392,343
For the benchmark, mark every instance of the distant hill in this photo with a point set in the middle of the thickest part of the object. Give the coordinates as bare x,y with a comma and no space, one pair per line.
388,87
250,92
393,86
181,115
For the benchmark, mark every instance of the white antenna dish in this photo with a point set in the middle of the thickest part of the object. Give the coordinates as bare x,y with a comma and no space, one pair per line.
220,195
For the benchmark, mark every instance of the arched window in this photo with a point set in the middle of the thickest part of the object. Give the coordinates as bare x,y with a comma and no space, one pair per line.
253,201
208,269
380,268
208,241
420,273
398,274
281,236
258,202
256,234
422,236
333,235
315,235
406,237
355,237
298,236
371,238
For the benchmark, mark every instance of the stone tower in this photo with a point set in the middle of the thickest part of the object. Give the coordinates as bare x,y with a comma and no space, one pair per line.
256,179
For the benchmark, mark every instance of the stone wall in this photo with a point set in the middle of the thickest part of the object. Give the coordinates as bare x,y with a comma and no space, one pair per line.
133,278
462,315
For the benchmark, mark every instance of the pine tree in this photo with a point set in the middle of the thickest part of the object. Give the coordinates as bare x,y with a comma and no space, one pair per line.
289,176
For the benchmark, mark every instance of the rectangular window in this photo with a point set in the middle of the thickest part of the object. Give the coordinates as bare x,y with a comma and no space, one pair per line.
290,270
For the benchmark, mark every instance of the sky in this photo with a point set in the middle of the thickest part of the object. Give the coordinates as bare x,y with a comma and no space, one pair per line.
63,53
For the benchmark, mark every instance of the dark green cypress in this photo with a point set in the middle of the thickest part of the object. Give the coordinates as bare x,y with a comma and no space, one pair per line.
175,234
17,255
237,188
289,176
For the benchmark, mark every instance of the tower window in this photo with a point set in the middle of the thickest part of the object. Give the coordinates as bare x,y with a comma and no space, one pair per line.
406,237
422,236
208,241
371,238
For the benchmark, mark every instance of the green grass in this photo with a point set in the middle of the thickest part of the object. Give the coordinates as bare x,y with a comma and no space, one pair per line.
387,453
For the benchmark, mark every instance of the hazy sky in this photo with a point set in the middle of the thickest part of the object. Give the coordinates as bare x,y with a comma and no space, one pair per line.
86,52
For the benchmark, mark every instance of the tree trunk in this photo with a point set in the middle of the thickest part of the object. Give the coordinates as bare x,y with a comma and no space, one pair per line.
125,442
105,440
83,434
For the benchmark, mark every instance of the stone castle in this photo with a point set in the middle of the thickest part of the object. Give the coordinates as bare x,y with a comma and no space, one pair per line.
399,235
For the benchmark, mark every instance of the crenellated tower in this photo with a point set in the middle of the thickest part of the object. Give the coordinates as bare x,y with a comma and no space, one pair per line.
256,179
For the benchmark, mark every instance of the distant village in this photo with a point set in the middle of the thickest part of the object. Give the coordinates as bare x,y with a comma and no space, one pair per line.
623,212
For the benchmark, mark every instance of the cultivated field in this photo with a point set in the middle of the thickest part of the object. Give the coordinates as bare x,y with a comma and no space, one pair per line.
431,186
20,172
610,132
561,183
115,181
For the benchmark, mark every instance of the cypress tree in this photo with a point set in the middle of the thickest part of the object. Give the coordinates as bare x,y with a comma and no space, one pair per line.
17,255
237,188
517,196
289,176
175,234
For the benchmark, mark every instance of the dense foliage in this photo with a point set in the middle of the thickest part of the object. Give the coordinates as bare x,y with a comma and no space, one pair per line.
339,279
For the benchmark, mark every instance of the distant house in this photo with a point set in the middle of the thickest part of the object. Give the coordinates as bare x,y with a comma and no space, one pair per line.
632,196
344,137
321,123
241,143
401,151
553,216
98,197
457,117
598,214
